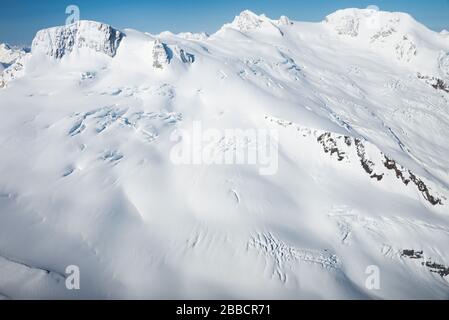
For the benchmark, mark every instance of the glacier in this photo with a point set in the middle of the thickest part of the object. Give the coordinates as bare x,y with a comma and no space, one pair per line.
360,104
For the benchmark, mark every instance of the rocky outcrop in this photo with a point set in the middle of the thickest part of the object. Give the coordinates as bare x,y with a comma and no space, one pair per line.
433,267
406,49
161,55
60,41
346,148
436,83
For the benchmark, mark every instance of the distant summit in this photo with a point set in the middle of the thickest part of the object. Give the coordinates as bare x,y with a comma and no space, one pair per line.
9,54
248,21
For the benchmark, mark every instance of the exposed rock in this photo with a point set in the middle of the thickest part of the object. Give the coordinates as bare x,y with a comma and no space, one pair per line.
400,173
433,267
60,41
436,83
408,176
330,145
425,190
367,164
442,270
412,254
161,56
184,56
406,49
384,33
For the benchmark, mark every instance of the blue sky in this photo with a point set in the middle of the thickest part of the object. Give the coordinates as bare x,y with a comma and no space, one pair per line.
21,19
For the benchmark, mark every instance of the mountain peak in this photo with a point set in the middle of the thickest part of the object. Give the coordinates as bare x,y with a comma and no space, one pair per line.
9,54
59,41
352,22
4,46
247,21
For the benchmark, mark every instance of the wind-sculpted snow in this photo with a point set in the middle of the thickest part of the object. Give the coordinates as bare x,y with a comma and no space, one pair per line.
60,41
119,154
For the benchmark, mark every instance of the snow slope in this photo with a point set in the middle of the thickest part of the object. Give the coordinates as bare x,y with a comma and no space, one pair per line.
360,104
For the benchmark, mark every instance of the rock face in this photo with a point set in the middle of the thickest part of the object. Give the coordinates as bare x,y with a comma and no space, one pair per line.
161,55
183,55
60,41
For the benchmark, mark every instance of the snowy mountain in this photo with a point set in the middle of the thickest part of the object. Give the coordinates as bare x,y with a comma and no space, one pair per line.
59,41
114,140
9,55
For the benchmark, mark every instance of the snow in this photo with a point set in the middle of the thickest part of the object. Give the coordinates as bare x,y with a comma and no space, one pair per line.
8,55
87,178
57,42
194,36
249,22
161,56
